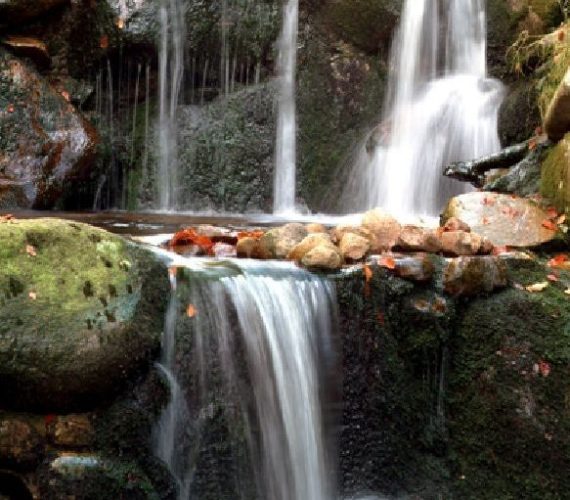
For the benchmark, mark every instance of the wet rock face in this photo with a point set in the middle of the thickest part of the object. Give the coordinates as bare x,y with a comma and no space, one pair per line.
555,175
16,11
80,315
44,142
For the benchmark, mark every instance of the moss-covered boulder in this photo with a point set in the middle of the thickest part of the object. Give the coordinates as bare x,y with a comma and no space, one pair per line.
44,141
80,314
555,177
508,420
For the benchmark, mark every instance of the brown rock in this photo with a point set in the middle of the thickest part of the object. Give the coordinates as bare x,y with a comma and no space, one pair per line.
339,231
486,246
32,48
20,441
461,243
455,224
217,234
278,242
308,243
419,239
247,247
354,247
315,228
557,119
418,267
323,257
75,431
384,229
467,276
506,220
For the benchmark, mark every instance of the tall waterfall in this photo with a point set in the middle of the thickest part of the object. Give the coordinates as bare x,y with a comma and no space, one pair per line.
286,146
261,337
171,71
441,108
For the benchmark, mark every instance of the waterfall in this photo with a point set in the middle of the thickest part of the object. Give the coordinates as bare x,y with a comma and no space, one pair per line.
267,328
171,71
441,107
286,146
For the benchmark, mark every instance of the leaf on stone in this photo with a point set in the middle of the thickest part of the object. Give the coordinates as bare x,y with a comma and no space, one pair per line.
552,213
250,234
189,236
544,368
10,108
191,311
33,295
537,287
387,262
552,277
558,260
550,225
31,250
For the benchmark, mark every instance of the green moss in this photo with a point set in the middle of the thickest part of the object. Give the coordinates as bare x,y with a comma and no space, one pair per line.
555,177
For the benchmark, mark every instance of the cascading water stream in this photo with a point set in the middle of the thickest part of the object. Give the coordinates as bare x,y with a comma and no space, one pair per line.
275,322
286,146
171,72
441,108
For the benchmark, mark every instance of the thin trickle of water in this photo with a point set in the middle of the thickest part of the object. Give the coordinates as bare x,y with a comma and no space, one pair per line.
146,122
171,72
429,121
286,145
282,332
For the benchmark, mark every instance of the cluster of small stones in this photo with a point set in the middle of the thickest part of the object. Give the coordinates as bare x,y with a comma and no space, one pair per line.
456,259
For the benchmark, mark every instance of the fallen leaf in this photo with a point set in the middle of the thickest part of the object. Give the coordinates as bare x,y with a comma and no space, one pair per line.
552,277
250,234
532,144
189,236
104,42
191,311
567,291
558,260
367,273
10,108
487,200
31,250
485,221
552,213
550,225
66,95
544,368
33,295
538,131
380,318
49,419
387,262
537,287
561,35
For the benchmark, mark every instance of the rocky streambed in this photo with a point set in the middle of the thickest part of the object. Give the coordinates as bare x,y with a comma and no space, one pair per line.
454,352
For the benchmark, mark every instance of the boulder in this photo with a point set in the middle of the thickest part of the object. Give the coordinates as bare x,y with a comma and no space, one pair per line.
315,228
557,119
45,142
247,247
277,243
506,220
81,314
354,247
384,230
323,257
468,276
555,175
339,231
455,224
461,243
33,48
73,431
419,239
419,267
311,241
22,442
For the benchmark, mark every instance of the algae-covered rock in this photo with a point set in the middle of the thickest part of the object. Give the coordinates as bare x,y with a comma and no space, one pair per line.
509,386
44,141
93,477
80,314
555,176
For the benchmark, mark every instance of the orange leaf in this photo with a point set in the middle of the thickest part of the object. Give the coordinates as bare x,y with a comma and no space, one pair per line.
558,260
552,277
250,234
548,224
10,108
387,262
485,221
367,273
532,144
104,42
191,311
191,237
561,35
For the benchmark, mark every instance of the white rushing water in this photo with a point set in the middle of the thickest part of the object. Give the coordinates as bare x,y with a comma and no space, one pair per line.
441,108
171,72
286,145
280,319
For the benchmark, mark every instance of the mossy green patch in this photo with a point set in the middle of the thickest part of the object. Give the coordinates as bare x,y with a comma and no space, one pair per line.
555,177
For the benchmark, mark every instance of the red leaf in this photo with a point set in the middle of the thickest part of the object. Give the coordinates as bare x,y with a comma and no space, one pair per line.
250,234
558,260
544,368
387,262
191,237
552,277
552,213
548,224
